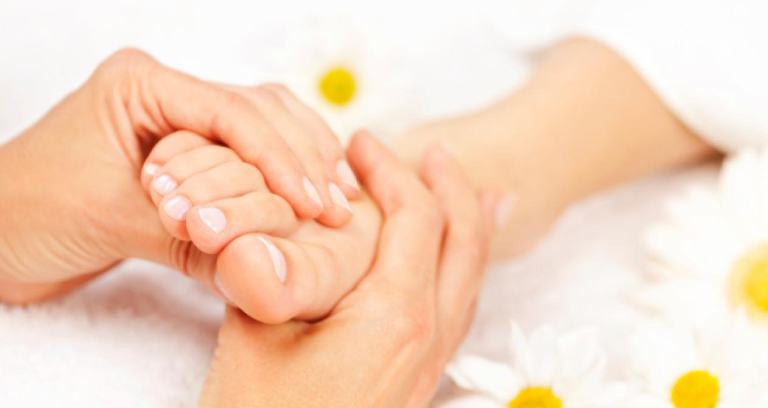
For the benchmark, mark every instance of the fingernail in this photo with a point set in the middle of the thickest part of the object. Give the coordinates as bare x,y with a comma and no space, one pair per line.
278,260
504,209
220,287
338,197
312,192
177,208
346,174
151,169
213,218
165,184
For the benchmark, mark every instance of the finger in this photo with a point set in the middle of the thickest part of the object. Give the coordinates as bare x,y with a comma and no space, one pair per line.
214,225
413,224
469,228
229,179
186,165
297,135
167,148
189,103
327,142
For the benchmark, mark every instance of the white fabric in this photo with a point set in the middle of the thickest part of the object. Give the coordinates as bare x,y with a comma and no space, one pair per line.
706,59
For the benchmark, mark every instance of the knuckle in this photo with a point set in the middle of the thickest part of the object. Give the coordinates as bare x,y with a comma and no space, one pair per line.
279,88
264,94
404,324
122,62
282,88
413,326
129,54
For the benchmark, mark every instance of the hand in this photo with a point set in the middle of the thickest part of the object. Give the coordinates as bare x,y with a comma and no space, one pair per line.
270,264
386,343
71,199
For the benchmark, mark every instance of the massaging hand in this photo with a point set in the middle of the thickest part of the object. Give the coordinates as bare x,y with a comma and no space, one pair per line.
385,343
72,205
271,264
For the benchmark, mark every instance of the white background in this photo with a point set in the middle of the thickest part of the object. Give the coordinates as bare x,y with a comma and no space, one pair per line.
143,336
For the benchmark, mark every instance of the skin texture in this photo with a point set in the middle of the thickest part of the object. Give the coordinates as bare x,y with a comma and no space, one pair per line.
87,153
322,263
385,343
584,122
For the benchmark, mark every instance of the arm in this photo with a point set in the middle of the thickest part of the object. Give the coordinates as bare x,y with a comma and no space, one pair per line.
584,122
385,344
71,199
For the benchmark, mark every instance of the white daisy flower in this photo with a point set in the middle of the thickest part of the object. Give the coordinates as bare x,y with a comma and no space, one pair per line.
547,371
352,79
713,250
682,366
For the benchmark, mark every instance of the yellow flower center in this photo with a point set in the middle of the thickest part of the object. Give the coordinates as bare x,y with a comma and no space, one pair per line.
536,397
697,389
338,86
749,281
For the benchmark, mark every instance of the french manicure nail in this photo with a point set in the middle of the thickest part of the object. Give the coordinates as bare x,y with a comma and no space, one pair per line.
346,174
338,197
151,169
220,287
213,218
164,184
312,192
504,209
177,208
278,260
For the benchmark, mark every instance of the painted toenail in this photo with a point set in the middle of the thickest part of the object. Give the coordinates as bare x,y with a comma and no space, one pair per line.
177,208
164,184
213,218
346,175
151,169
278,260
338,197
312,192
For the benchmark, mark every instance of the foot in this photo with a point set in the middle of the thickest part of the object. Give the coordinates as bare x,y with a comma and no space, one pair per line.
271,264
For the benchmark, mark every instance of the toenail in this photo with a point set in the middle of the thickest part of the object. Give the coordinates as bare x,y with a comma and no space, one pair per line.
346,175
338,197
213,218
177,208
151,169
164,184
278,260
312,192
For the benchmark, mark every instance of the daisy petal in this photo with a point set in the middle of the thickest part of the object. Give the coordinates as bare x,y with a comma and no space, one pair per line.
478,374
543,357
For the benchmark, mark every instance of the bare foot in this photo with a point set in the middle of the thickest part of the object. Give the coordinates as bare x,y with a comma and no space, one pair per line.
271,264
